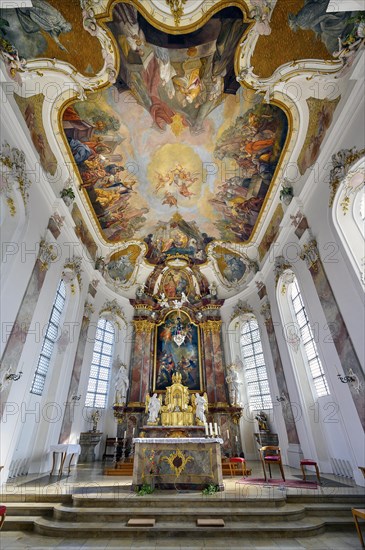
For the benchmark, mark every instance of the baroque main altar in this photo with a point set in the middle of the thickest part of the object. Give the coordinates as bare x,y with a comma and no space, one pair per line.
177,365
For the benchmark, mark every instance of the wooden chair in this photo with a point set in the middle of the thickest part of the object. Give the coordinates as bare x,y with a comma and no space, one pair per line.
271,454
109,444
358,513
2,515
309,462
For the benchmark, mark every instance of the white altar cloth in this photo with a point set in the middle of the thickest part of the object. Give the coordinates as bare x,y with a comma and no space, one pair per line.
174,440
65,449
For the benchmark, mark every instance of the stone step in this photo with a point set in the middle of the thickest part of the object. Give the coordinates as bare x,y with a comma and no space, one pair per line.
189,529
19,523
73,513
175,501
29,509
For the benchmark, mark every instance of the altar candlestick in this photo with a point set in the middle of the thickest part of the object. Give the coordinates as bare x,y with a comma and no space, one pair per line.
206,429
125,434
215,428
219,430
227,434
211,428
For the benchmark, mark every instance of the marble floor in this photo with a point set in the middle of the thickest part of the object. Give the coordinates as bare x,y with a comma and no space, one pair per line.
91,476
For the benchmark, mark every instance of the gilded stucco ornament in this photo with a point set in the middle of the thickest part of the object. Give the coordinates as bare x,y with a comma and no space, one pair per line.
177,9
310,254
265,311
241,308
71,271
47,254
13,174
281,273
88,310
114,312
177,461
342,161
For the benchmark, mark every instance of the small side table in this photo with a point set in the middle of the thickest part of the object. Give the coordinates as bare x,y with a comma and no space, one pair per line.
65,449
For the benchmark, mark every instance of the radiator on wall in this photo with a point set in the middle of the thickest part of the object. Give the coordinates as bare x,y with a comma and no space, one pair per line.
342,468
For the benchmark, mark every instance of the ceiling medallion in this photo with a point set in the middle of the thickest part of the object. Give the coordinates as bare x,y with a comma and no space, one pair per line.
177,9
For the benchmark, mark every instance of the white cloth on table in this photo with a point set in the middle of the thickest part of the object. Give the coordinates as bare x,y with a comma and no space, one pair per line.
178,440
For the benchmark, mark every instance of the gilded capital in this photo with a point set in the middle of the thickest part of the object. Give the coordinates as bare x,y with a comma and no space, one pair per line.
310,254
143,326
211,326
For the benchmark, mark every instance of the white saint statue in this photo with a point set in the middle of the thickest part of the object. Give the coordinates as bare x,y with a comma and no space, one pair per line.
154,406
200,402
234,383
121,384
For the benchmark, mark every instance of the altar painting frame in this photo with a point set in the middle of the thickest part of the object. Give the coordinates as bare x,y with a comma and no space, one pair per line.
189,350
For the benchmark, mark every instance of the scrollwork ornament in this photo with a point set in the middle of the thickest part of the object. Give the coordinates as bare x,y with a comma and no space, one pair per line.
90,24
88,310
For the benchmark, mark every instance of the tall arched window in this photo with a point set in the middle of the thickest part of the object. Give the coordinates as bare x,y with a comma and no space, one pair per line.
349,216
308,341
49,340
97,390
255,369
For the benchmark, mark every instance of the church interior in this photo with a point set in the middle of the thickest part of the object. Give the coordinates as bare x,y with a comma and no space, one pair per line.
182,274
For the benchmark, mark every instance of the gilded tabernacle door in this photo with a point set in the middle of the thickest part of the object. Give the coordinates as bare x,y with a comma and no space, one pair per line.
177,350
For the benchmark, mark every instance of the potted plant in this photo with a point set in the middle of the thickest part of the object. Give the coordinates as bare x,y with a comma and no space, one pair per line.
67,195
286,193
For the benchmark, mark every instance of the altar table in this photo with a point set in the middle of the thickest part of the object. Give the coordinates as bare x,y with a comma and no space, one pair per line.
170,463
64,449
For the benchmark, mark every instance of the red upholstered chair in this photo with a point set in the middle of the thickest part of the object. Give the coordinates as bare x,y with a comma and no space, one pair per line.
2,515
270,454
309,462
237,466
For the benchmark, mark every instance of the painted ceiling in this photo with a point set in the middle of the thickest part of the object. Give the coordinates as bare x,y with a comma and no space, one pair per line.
179,138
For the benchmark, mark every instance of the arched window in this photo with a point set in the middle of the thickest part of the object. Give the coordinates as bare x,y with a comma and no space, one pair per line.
97,390
257,383
349,216
49,340
308,341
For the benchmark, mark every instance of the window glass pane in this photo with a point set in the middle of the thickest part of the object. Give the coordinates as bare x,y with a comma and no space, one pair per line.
101,365
309,347
255,369
49,340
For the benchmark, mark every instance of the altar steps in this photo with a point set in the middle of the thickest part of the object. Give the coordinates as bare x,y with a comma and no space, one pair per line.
242,517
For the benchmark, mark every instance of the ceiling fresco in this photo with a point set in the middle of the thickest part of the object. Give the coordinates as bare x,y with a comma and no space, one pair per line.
177,135
174,138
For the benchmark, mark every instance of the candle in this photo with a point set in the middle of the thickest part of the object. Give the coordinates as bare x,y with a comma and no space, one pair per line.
219,430
206,429
215,428
125,434
211,428
116,440
236,438
133,432
227,434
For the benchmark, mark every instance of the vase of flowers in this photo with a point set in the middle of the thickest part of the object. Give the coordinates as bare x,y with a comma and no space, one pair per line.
68,195
286,193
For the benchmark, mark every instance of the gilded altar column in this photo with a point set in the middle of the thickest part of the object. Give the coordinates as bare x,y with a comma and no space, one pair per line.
213,361
336,324
141,368
289,419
